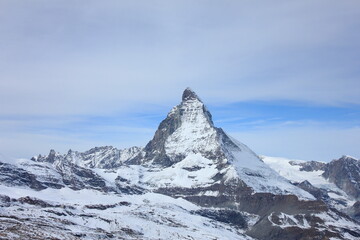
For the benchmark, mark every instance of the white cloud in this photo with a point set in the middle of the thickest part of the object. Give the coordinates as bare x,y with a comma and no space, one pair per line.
61,58
71,58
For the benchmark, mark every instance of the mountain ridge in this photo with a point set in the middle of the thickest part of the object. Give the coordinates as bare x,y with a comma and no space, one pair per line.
190,169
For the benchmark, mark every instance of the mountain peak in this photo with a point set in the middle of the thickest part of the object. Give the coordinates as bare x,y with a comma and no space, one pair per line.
348,158
187,128
189,94
188,139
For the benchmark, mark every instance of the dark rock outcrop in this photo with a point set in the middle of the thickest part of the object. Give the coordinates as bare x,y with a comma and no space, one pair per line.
106,157
155,150
354,211
35,201
318,193
345,173
309,166
228,216
12,175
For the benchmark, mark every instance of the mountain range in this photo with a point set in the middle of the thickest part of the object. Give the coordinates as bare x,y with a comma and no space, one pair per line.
191,181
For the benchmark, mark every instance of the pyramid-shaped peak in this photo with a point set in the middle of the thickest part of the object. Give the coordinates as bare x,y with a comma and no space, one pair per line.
189,94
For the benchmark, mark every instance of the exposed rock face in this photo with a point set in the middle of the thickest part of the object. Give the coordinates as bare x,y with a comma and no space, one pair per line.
345,173
4,201
34,201
309,176
233,217
320,194
310,166
188,128
78,178
354,211
109,157
57,173
106,157
11,175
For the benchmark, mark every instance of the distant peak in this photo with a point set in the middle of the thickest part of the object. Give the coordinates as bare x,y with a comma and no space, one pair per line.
52,152
189,94
348,158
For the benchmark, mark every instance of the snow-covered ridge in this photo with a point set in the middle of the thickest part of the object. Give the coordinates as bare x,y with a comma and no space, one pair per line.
189,152
291,169
256,174
99,157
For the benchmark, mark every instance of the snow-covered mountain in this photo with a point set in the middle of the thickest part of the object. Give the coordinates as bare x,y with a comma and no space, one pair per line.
336,183
191,181
106,157
189,151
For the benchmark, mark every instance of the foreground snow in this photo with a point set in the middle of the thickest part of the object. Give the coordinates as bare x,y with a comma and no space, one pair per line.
147,216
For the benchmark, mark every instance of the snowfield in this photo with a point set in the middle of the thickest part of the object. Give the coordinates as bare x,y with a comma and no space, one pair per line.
292,172
147,216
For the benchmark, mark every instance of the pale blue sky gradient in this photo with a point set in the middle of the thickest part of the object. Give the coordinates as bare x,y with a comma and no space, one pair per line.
281,76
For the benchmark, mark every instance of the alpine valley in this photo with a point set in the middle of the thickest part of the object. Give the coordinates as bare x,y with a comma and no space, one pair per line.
191,181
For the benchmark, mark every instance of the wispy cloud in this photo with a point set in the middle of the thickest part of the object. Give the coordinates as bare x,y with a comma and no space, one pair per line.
60,60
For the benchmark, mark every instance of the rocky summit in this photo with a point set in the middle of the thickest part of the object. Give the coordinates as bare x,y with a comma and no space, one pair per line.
191,181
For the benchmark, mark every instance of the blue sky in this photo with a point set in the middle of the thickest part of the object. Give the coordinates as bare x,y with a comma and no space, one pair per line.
281,76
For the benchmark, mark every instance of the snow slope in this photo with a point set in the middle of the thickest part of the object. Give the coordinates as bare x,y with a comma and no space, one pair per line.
148,216
259,176
290,169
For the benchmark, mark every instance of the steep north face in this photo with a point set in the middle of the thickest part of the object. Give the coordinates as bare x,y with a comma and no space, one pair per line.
188,134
